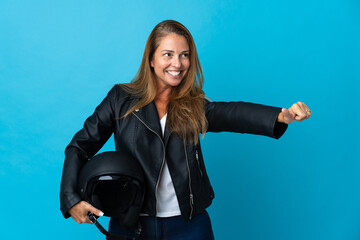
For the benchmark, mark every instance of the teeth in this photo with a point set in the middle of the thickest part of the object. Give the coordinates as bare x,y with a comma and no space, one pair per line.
174,73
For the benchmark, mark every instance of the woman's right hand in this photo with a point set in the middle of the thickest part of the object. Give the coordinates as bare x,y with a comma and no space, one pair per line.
79,212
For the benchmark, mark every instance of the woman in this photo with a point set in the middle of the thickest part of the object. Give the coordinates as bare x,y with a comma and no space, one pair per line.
157,118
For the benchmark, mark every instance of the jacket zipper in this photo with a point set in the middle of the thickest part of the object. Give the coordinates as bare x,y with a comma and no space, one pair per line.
163,161
190,189
197,159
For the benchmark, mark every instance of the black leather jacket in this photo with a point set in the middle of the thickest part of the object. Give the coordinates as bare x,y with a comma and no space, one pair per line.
140,135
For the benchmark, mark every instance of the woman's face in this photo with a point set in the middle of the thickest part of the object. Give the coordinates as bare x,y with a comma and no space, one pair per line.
171,61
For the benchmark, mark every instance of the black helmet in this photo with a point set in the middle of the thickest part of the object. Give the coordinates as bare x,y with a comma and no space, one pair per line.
114,183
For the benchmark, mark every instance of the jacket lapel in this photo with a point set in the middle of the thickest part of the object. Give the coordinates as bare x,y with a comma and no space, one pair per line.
150,117
167,134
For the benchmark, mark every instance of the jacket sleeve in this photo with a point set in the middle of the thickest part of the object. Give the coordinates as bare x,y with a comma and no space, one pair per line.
96,131
244,117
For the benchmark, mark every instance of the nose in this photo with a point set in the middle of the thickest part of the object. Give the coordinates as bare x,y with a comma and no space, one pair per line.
176,61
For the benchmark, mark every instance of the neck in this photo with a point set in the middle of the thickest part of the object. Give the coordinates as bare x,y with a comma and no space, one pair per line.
162,100
163,95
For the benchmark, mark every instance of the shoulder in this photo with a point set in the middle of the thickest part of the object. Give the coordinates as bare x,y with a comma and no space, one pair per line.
119,92
121,98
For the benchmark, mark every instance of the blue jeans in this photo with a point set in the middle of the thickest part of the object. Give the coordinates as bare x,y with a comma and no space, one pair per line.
171,228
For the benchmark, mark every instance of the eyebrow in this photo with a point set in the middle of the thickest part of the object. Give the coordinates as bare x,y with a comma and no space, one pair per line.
174,51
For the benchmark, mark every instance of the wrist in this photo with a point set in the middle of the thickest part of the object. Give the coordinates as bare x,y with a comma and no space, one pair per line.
280,117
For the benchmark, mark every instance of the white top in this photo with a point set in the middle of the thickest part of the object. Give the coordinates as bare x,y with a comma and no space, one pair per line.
167,204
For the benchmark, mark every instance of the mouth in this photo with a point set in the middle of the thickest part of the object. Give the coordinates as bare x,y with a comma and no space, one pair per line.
174,73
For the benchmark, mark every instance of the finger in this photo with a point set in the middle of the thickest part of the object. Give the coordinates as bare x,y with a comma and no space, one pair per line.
83,219
79,212
87,220
305,108
298,110
77,220
307,111
302,106
96,211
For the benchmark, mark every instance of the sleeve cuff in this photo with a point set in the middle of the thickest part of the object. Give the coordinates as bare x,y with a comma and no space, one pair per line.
65,207
279,129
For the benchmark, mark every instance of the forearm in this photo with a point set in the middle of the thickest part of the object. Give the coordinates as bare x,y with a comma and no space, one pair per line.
244,117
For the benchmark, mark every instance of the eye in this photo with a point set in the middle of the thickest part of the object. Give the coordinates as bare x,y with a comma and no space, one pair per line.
167,54
185,55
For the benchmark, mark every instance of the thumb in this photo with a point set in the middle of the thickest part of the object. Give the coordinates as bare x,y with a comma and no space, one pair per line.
286,112
289,117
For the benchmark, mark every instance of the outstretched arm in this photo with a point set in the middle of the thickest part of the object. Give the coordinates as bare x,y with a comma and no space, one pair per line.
244,117
298,111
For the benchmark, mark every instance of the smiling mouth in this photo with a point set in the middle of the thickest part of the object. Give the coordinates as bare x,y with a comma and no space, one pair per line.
174,73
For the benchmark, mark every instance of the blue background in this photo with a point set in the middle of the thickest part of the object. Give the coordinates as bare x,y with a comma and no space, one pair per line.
58,59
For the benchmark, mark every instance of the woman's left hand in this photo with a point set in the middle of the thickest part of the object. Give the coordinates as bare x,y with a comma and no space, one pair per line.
298,111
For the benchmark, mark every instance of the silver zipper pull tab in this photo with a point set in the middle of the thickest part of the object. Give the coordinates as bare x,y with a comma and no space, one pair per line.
197,159
191,205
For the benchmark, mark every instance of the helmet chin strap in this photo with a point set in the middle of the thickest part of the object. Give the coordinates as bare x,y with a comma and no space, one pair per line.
110,236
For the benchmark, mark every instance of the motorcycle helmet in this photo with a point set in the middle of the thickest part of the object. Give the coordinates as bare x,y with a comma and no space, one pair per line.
114,183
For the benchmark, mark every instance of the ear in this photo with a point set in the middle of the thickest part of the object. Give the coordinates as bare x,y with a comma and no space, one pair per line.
152,63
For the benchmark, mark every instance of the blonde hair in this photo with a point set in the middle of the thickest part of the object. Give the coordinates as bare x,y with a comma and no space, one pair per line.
186,112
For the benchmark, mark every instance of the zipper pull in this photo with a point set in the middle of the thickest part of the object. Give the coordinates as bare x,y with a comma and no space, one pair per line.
191,205
197,159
